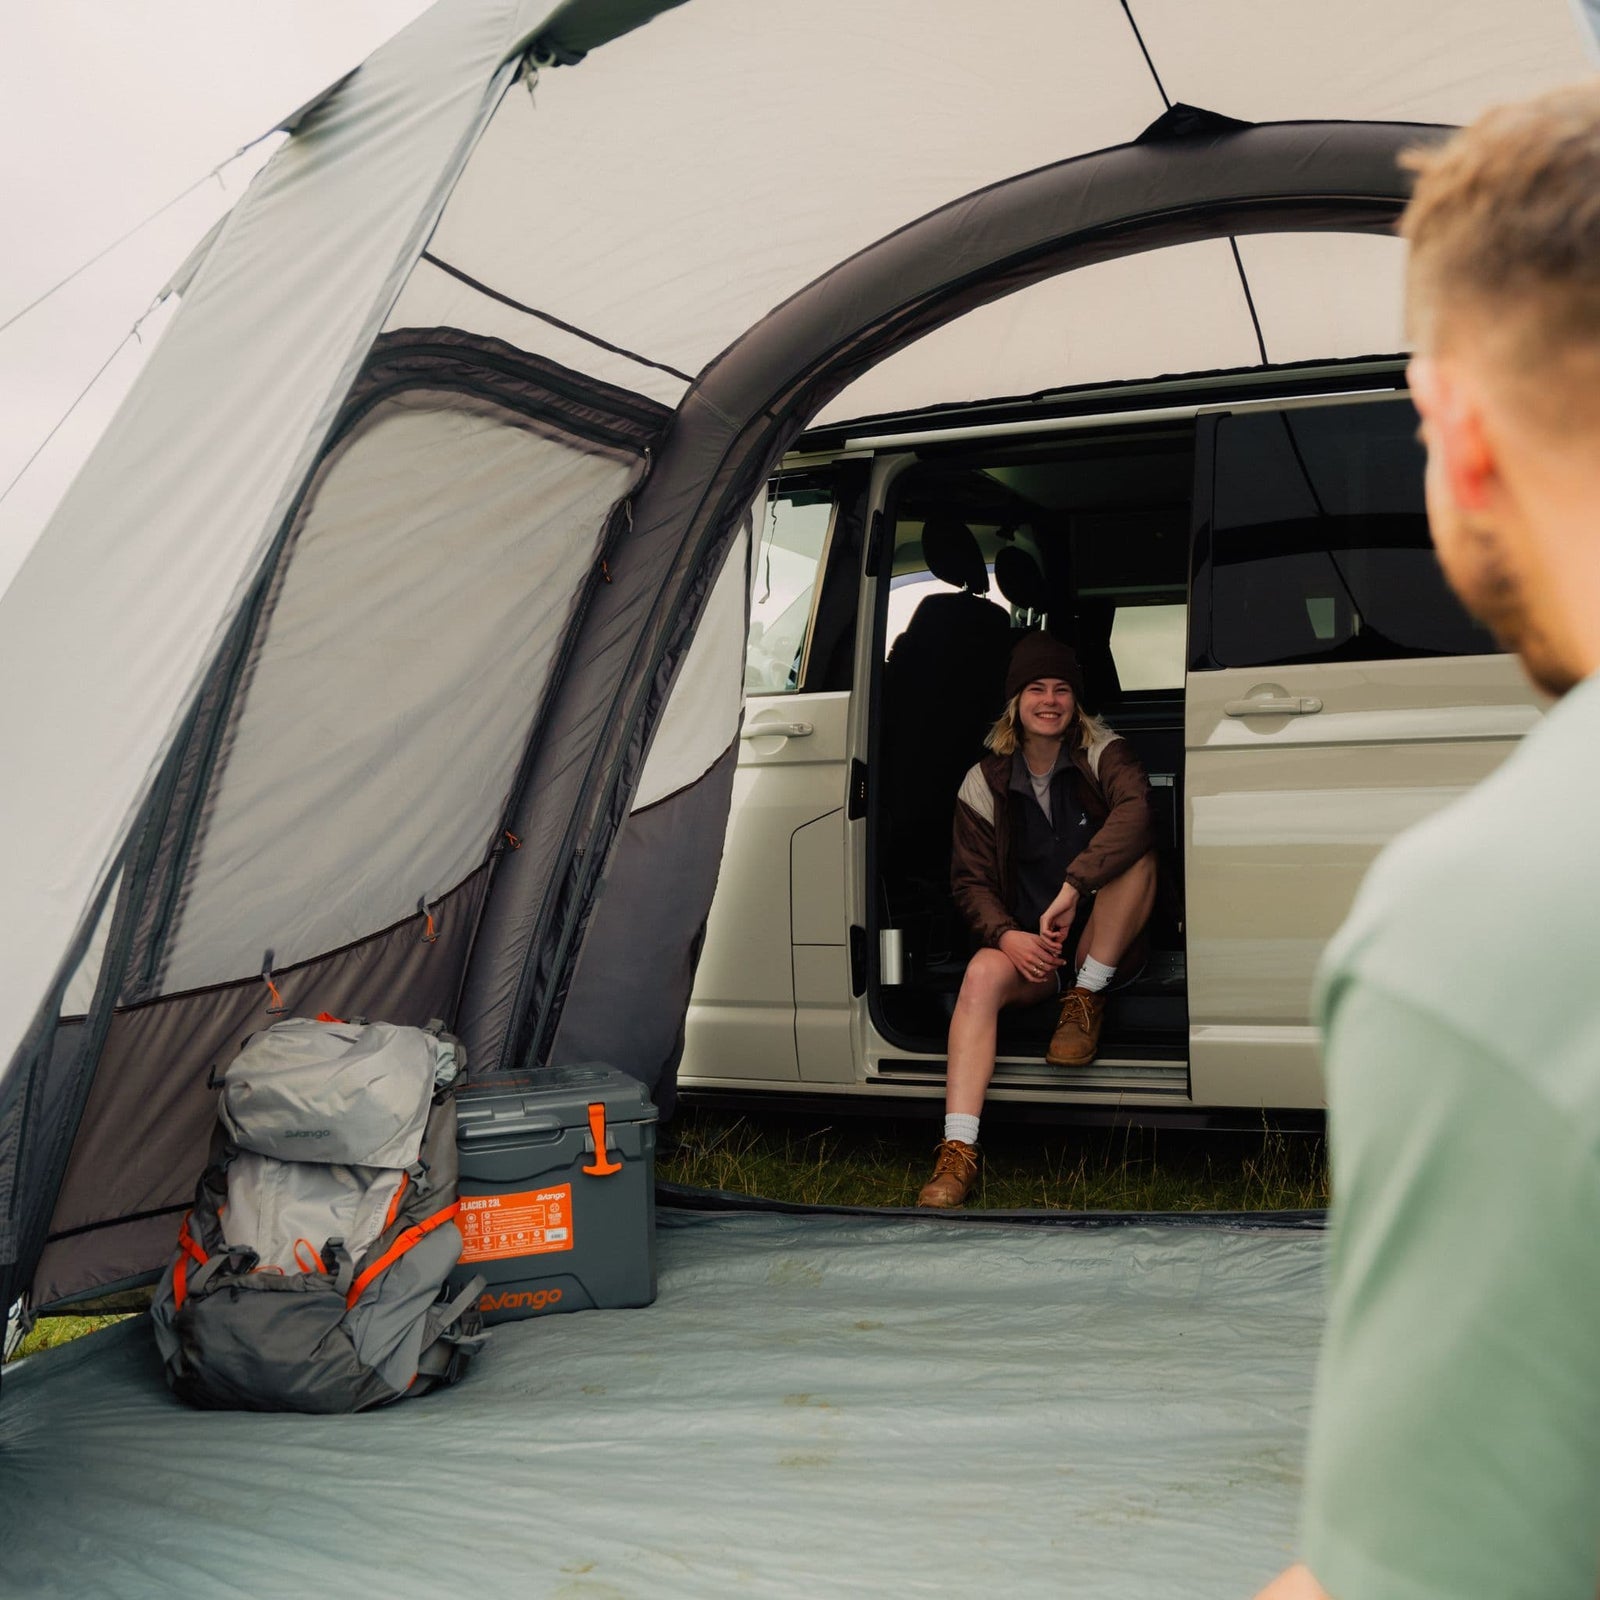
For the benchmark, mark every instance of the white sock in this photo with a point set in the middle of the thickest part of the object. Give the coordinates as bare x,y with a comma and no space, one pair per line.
1094,975
958,1125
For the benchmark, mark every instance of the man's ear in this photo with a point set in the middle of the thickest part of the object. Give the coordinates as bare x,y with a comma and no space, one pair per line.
1453,430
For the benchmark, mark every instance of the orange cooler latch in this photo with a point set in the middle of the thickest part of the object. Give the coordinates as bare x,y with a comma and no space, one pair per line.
602,1167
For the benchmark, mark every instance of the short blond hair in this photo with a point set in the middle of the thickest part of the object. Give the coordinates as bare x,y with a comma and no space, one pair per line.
1504,228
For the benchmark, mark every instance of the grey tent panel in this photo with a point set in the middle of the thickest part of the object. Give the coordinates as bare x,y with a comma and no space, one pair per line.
814,1405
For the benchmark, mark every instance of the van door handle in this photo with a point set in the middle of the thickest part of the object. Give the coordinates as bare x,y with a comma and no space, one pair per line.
1288,705
783,730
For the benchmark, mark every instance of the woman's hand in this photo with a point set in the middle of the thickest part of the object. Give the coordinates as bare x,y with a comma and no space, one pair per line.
1033,955
1056,923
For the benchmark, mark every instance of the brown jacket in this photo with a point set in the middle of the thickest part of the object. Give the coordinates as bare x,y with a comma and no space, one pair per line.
1112,787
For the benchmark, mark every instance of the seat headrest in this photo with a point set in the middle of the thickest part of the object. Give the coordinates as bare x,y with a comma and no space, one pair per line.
951,550
1019,578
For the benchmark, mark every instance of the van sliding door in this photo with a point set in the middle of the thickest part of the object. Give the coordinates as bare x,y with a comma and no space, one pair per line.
1337,694
778,926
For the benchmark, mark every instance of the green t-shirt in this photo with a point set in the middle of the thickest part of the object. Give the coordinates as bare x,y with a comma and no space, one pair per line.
1455,1443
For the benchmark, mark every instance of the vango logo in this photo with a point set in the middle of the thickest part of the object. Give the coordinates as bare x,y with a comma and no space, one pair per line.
520,1300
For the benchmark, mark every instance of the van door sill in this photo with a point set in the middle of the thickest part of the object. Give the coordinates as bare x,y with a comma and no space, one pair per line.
1113,1076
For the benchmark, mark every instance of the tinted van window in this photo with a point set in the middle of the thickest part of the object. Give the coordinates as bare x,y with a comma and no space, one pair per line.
1320,545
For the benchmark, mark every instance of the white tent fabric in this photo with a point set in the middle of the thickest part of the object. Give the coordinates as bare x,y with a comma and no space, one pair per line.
1072,330
1424,61
778,167
1194,316
815,165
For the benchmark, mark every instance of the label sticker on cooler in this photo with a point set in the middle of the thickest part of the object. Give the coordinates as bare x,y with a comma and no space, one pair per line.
532,1223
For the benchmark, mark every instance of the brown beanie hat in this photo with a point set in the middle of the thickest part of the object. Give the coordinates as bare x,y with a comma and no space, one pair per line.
1040,655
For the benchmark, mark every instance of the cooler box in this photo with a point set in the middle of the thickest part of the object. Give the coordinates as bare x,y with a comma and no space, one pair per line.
558,1191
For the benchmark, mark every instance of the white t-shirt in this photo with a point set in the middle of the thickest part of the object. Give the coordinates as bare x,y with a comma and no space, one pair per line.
1041,791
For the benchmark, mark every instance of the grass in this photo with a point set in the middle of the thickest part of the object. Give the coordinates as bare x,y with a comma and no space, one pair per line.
860,1161
48,1332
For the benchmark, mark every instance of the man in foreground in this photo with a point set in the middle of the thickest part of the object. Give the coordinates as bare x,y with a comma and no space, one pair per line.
1455,1444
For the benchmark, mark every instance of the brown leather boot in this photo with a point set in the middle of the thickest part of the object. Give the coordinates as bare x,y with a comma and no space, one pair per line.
1077,1035
955,1170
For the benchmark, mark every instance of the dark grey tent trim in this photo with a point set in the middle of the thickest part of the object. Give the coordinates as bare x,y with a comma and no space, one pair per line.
756,397
581,406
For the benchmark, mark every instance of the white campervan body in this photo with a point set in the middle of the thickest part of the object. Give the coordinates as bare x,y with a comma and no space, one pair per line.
1244,568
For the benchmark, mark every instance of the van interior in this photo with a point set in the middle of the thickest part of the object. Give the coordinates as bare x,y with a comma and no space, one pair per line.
1088,536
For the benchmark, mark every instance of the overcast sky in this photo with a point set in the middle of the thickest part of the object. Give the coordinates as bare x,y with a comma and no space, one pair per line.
109,108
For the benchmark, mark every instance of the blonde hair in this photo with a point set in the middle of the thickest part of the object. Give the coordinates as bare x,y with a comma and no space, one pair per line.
1002,738
1505,224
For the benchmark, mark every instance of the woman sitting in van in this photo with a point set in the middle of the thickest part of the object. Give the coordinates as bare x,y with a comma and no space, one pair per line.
1052,859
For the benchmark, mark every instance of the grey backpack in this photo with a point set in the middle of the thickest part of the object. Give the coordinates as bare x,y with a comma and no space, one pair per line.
310,1273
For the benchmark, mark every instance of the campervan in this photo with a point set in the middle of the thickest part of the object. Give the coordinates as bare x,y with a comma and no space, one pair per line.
1243,565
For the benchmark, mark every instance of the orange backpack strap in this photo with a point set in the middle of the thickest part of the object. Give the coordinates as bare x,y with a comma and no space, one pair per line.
407,1240
188,1251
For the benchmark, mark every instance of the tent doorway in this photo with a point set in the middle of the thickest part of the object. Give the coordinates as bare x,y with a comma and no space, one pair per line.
1086,535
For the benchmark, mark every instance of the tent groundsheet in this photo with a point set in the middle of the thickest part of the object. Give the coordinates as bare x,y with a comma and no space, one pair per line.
816,1405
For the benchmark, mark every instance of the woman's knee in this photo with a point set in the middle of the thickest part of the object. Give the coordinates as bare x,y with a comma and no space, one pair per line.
987,979
1139,879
